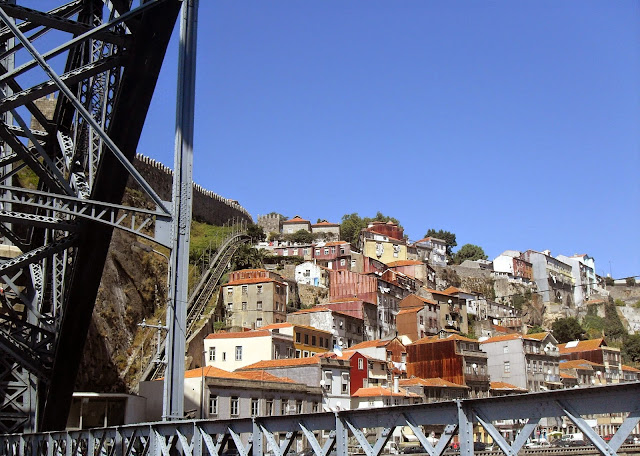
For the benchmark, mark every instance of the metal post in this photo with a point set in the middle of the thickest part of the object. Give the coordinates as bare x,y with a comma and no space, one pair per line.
173,399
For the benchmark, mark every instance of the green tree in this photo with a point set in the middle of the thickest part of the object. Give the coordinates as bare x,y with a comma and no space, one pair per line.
448,237
631,281
631,348
469,252
567,329
608,281
352,224
256,232
247,257
535,329
300,236
613,327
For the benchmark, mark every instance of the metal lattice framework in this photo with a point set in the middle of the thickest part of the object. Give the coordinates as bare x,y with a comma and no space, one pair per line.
352,432
64,164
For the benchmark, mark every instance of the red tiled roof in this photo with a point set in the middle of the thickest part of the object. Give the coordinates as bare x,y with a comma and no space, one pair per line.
296,219
629,368
325,223
210,371
376,391
277,326
505,386
371,343
264,376
452,290
513,336
583,345
335,243
407,310
563,375
311,310
253,280
578,364
394,264
434,382
242,334
281,363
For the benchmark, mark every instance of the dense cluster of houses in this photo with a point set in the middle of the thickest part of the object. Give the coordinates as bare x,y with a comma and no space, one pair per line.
385,336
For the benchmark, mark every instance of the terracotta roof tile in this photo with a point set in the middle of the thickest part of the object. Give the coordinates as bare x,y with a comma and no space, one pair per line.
277,326
377,391
372,343
513,336
506,386
210,371
578,364
325,223
563,375
281,363
629,368
582,345
296,219
394,264
407,310
436,339
264,376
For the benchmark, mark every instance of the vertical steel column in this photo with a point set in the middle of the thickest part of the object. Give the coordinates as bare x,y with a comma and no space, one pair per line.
173,400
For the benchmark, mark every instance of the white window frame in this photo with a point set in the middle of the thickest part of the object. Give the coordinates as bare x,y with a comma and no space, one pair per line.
238,352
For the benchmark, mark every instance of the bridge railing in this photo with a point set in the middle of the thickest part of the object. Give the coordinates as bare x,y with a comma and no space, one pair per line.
363,431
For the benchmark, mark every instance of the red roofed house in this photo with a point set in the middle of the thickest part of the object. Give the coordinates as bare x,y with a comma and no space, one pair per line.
333,255
417,318
390,350
453,308
526,361
230,395
346,329
365,371
435,389
328,231
432,250
333,375
295,224
232,350
378,397
253,298
307,340
415,268
597,351
450,357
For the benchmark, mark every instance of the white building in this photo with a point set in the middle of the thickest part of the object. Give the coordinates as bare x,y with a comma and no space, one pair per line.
310,273
231,351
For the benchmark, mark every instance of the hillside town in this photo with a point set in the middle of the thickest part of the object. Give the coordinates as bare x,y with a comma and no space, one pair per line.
382,329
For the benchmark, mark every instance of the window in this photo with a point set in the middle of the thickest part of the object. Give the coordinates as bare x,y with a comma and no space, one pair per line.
224,356
294,252
245,289
213,405
306,339
333,250
343,262
360,364
229,306
235,406
259,305
283,406
212,353
345,383
353,264
313,340
269,407
327,380
298,353
307,273
505,349
342,250
298,407
230,291
255,407
305,354
421,320
285,252
244,305
238,353
258,322
507,367
259,289
298,337
326,250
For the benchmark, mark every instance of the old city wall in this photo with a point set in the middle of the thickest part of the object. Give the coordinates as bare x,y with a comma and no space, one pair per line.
208,207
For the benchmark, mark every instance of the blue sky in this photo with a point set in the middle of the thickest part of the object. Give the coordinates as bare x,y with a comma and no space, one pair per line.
512,124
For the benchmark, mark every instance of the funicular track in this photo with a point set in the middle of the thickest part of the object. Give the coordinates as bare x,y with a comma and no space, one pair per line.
200,297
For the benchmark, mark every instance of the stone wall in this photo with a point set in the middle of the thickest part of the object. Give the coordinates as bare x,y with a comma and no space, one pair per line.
208,207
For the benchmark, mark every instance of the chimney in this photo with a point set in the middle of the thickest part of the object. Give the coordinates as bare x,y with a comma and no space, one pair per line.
396,384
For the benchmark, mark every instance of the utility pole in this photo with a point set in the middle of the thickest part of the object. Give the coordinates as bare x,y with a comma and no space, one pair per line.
173,397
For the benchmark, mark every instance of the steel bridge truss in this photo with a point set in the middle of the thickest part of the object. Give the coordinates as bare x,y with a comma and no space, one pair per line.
348,432
62,178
